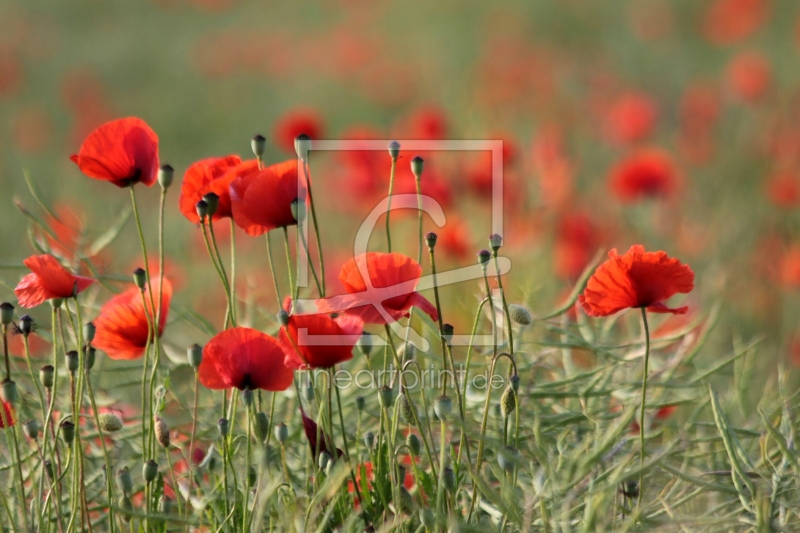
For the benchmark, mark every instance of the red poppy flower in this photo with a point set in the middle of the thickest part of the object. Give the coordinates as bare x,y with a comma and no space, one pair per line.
263,201
636,279
649,172
728,21
205,176
295,122
393,278
577,241
321,341
631,118
123,151
246,359
749,75
783,190
48,279
122,323
9,417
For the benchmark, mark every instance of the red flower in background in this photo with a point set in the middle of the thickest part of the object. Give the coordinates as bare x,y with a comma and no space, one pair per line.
455,239
303,335
396,274
729,21
48,280
647,173
637,279
295,122
749,75
122,330
632,117
577,240
263,201
206,176
9,416
783,190
123,151
245,359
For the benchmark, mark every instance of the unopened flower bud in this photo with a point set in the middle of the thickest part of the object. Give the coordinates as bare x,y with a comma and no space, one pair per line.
162,431
507,458
89,331
442,407
508,402
302,145
222,427
165,175
447,333
149,471
394,149
127,508
407,352
365,343
212,203
6,313
369,440
262,426
8,392
417,164
31,429
386,395
407,410
124,480
46,376
406,501
202,209
247,397
25,325
283,318
299,211
519,314
140,278
258,144
110,422
195,355
90,354
495,241
484,256
324,458
67,431
430,240
412,441
449,479
72,361
360,403
281,432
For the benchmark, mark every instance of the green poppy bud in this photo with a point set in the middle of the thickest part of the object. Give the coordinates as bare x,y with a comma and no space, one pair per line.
31,429
90,354
6,313
360,403
212,203
369,440
508,402
281,432
89,331
110,422
365,343
449,479
417,165
302,145
412,441
247,397
140,278
258,144
127,508
447,333
165,505
386,395
394,150
262,426
25,325
165,176
484,256
149,471
430,240
202,209
8,391
46,376
162,431
283,318
67,432
407,410
222,427
519,314
195,355
495,241
442,407
124,480
73,362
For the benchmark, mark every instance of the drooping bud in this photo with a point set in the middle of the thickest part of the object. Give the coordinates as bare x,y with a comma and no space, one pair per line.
412,441
484,256
140,278
25,325
90,354
407,410
127,508
110,422
162,431
202,209
369,440
124,480
6,313
360,403
447,333
299,210
417,165
212,203
302,145
495,241
394,150
449,479
89,331
195,355
72,361
386,395
508,402
281,432
507,458
165,175
519,314
31,429
323,460
67,431
430,240
262,426
283,318
443,406
149,471
8,392
258,144
47,375
365,343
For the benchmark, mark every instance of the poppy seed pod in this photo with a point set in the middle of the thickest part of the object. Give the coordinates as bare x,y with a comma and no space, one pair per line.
258,144
484,256
364,343
412,441
212,203
495,241
386,395
247,397
67,431
449,479
281,432
124,480
360,403
262,426
299,211
165,504
110,422
89,331
302,145
324,458
417,165
202,209
140,278
31,429
8,392
90,355
394,150
25,325
161,430
430,240
519,314
165,175
508,458
407,410
447,333
283,318
195,355
72,361
46,376
508,402
55,303
6,313
369,440
222,427
443,406
127,508
149,471
514,382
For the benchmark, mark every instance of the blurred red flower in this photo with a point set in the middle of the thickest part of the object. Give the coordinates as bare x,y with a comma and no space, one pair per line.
245,359
122,325
749,75
577,240
454,239
9,416
648,172
303,350
637,279
48,280
123,151
295,122
783,190
631,118
210,175
729,21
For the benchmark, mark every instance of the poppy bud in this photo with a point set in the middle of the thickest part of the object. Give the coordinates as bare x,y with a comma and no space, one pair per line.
262,426
46,376
507,459
417,165
25,325
407,410
222,427
88,332
247,397
483,258
149,471
165,176
165,504
406,501
442,407
394,150
162,431
369,440
407,352
449,479
48,469
202,209
427,518
127,508
365,343
124,480
195,355
324,458
67,431
430,240
282,432
412,441
140,278
519,314
495,241
299,210
514,381
308,391
31,429
6,313
360,403
302,145
8,391
508,402
90,355
252,475
258,144
55,303
110,422
386,395
630,489
212,203
283,318
72,361
447,333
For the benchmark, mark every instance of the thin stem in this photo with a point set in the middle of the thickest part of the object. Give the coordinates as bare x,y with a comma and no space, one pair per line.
316,226
441,325
233,270
272,271
191,438
288,261
505,305
217,267
644,401
33,378
310,264
225,280
389,205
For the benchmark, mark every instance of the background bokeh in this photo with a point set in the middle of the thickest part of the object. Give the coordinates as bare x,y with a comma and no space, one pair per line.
703,93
